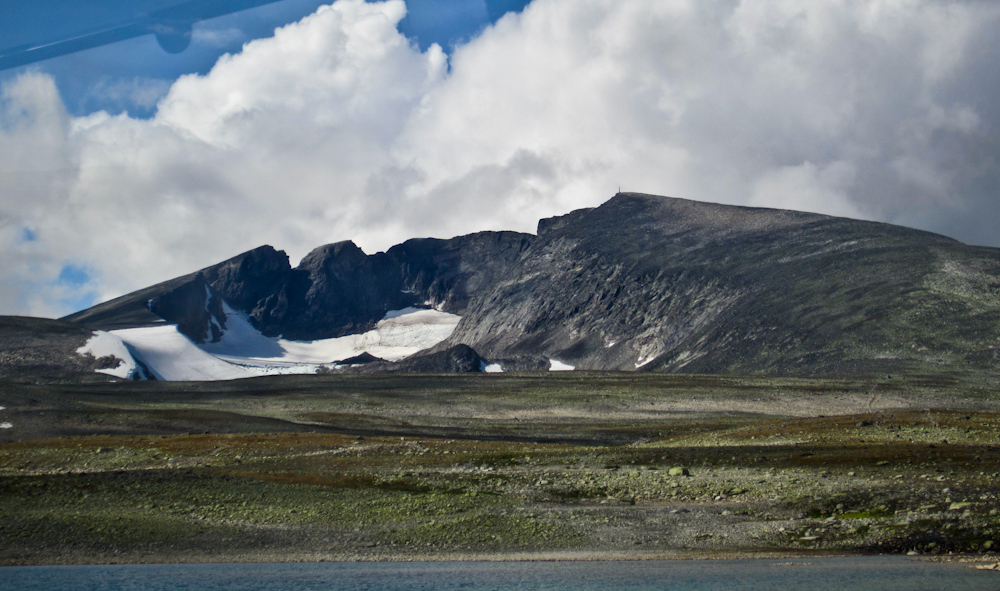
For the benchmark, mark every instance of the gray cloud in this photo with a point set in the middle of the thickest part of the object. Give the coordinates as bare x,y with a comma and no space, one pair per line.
338,127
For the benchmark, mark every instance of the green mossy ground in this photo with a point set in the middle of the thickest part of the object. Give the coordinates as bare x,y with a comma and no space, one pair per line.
466,481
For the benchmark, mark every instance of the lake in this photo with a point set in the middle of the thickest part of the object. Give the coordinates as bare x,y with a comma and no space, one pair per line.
881,573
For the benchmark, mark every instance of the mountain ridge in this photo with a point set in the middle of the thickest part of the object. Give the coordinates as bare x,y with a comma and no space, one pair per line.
641,282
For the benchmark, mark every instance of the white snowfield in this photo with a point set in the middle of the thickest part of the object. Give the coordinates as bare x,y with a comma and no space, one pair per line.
556,365
244,352
398,335
103,344
172,357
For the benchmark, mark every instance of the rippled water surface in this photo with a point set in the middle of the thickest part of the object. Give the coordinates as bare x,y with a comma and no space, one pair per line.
853,574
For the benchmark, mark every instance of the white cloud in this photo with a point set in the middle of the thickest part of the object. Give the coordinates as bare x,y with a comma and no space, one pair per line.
128,94
808,187
216,37
338,127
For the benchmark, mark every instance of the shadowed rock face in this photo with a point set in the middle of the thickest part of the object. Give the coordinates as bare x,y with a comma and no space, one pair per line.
335,290
194,307
641,282
247,280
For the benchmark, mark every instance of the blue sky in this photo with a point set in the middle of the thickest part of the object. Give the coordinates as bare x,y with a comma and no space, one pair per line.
133,74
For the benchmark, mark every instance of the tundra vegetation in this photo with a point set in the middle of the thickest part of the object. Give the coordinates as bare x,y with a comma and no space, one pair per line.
571,465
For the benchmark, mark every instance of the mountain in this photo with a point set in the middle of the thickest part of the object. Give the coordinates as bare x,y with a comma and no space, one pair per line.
674,285
640,283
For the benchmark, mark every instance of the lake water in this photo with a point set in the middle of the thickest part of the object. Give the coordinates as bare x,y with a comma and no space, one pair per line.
890,573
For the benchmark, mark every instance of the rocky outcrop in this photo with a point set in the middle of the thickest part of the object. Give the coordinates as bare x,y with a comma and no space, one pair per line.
361,359
454,359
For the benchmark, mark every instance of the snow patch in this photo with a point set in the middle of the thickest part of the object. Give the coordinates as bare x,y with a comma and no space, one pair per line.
492,368
104,344
244,352
5,425
402,333
643,361
398,335
556,365
171,356
611,344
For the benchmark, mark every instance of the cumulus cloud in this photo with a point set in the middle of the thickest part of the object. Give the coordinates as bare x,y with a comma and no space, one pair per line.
338,127
807,187
135,94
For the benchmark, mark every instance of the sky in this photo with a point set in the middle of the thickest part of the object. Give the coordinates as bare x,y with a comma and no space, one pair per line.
298,124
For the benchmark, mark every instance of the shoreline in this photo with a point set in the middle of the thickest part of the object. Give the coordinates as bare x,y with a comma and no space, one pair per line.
583,556
971,560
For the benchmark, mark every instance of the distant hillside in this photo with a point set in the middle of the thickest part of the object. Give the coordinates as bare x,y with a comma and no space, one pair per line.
40,350
640,283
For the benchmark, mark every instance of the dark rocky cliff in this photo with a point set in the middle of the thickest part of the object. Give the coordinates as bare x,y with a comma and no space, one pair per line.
335,290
